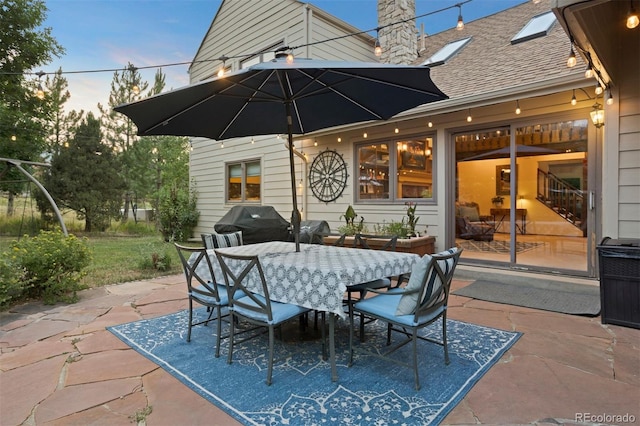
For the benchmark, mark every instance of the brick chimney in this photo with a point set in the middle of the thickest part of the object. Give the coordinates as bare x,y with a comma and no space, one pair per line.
399,42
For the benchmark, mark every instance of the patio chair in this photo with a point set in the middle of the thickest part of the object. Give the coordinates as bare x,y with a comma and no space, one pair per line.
407,310
361,289
203,289
257,309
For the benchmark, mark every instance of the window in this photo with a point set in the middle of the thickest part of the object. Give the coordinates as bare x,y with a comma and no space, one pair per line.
398,170
244,181
444,54
538,26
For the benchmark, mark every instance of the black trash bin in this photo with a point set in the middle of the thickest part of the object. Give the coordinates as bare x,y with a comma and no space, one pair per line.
620,281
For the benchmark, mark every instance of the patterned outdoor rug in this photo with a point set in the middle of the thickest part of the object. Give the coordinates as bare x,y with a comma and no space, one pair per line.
370,392
497,246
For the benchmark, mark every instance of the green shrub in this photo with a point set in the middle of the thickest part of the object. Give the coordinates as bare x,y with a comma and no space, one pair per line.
10,286
177,213
52,265
401,229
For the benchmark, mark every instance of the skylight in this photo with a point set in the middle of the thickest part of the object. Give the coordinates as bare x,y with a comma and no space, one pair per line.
538,26
444,54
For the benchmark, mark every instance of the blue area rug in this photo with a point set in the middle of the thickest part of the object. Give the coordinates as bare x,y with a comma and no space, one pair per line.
370,392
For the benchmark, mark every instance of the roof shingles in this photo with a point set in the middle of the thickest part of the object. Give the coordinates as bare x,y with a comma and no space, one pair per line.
489,62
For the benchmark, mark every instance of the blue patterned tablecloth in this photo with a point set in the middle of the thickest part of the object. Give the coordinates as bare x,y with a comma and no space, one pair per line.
318,275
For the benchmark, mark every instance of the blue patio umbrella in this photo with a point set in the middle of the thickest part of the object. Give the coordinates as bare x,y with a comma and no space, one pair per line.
279,97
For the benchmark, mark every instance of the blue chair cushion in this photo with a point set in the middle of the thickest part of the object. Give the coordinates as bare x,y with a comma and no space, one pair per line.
211,300
279,311
384,306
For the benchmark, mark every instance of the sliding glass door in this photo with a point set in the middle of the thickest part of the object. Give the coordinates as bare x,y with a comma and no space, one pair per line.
522,195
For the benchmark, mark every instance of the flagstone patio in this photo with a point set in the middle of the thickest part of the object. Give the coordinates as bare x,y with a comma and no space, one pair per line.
59,366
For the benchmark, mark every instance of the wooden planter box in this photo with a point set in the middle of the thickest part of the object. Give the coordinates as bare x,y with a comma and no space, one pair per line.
418,245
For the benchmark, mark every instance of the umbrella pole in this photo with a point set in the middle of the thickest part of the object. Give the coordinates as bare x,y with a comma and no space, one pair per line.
295,215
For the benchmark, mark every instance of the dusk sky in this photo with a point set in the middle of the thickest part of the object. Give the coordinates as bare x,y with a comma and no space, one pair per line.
108,34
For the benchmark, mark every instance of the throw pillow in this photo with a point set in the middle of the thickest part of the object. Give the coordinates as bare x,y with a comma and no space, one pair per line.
214,241
409,302
470,213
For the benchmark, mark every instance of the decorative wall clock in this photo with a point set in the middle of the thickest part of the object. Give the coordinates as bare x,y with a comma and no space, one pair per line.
328,176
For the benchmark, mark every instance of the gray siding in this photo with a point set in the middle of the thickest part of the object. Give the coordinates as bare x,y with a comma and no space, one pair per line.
242,27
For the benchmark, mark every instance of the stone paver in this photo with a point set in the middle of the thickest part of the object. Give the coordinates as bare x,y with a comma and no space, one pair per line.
60,366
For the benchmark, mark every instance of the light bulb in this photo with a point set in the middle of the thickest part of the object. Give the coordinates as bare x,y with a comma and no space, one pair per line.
290,58
632,18
518,111
364,135
469,119
598,89
13,138
460,24
430,124
339,139
571,61
610,99
377,49
588,73
574,101
397,130
135,89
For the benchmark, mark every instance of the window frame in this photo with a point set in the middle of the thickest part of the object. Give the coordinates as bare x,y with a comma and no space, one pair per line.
244,167
395,197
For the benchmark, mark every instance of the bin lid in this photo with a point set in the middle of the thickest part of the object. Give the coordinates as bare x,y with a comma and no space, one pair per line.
620,242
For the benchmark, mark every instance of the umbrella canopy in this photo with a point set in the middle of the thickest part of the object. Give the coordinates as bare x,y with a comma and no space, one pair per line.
289,98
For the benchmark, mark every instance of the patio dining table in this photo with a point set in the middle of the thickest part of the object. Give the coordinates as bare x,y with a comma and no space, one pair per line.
317,276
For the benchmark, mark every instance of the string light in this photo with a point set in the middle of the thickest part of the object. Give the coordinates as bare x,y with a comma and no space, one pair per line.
460,24
397,130
289,58
598,89
518,111
469,119
571,61
632,17
364,135
339,139
574,101
609,98
221,144
40,90
243,55
588,73
377,49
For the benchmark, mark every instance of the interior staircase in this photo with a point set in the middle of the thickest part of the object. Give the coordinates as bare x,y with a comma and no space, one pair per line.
567,201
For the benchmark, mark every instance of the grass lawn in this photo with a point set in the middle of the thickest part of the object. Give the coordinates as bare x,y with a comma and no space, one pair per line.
118,259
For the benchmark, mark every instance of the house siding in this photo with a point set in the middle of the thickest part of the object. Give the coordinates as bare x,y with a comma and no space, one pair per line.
246,27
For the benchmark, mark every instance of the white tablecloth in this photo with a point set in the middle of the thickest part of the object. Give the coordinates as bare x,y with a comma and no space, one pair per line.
317,276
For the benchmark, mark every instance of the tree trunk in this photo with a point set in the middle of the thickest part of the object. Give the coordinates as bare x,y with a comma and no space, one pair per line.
10,209
127,203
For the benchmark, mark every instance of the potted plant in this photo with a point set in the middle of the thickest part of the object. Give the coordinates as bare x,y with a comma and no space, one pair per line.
497,200
411,216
